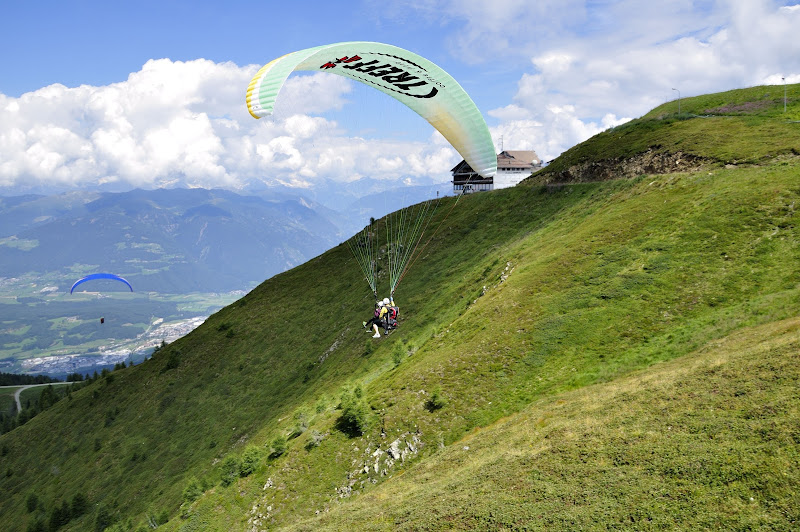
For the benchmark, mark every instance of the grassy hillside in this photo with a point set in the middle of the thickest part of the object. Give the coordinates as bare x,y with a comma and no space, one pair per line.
581,341
708,441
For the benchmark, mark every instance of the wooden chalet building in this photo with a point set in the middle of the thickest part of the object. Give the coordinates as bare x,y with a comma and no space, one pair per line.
512,167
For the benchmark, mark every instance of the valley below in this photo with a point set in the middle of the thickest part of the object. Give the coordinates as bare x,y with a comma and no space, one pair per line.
45,330
115,352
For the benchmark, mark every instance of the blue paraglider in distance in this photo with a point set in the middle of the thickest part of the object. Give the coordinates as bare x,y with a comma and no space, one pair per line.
94,276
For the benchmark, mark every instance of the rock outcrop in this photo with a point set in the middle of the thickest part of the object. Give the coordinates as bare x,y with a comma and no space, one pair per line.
649,162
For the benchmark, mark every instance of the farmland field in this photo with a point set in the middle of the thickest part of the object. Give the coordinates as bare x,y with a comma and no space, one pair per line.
45,329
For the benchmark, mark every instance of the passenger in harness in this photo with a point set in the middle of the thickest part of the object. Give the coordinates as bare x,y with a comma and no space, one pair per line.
378,320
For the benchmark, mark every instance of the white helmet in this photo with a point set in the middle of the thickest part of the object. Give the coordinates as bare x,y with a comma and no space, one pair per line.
380,303
385,300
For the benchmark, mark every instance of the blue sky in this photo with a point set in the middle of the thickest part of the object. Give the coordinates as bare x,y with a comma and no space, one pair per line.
151,94
98,43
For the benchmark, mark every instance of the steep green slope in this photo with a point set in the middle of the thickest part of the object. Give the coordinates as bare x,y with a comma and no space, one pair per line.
708,441
629,275
524,297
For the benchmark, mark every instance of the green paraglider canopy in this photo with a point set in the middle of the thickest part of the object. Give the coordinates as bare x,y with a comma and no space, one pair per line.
411,79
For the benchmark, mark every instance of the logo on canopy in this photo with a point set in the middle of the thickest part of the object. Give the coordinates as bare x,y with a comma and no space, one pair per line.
396,79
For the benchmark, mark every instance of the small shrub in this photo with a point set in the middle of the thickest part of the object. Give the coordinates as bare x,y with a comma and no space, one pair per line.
111,416
230,470
60,516
79,505
32,502
436,400
125,526
192,491
355,416
300,426
315,440
250,459
158,348
173,361
278,447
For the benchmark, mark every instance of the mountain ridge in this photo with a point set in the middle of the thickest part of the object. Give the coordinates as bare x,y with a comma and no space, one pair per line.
174,229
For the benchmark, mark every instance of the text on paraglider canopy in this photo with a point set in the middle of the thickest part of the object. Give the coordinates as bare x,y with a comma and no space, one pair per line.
401,80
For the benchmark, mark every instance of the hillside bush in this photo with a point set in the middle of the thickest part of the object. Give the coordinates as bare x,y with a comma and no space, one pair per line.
32,502
278,447
315,440
158,348
436,400
192,491
250,459
125,526
355,418
60,516
79,505
300,426
229,470
174,360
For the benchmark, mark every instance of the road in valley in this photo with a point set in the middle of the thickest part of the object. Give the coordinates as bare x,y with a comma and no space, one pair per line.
25,387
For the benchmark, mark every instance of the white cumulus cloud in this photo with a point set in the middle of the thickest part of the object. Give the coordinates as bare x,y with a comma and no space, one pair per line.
597,64
176,123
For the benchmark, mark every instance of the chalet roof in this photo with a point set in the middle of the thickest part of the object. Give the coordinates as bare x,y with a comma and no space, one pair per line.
505,159
517,159
462,168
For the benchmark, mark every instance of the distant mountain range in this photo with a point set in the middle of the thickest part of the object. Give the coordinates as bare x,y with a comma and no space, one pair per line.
184,240
165,240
